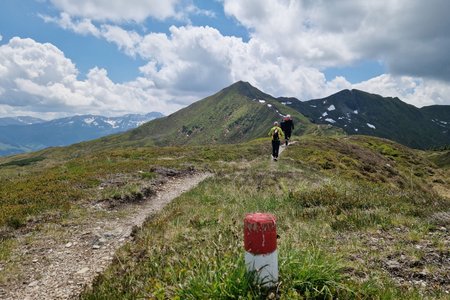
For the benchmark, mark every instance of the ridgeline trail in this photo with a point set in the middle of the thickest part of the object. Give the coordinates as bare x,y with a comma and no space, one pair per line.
60,261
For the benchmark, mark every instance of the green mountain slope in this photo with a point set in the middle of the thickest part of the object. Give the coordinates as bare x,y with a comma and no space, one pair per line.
358,112
236,114
356,214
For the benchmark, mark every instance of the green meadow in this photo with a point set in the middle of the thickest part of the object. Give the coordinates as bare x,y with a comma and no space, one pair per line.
357,217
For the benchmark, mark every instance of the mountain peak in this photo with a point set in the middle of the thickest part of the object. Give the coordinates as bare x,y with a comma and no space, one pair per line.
246,89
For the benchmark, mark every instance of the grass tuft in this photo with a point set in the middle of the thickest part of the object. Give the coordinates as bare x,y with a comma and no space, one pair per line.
313,274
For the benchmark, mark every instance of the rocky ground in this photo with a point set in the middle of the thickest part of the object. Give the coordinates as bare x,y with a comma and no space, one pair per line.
60,260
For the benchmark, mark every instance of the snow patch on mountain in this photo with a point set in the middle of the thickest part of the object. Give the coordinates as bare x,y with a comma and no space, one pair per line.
331,107
89,121
113,123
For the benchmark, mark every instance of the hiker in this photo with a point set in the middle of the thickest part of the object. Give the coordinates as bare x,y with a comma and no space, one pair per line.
287,125
277,134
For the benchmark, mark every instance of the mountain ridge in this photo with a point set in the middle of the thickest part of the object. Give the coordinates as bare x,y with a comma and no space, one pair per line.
359,112
20,120
237,113
241,112
18,138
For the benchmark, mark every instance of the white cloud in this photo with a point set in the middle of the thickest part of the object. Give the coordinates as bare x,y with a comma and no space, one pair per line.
118,10
291,43
38,77
127,41
65,21
413,90
409,36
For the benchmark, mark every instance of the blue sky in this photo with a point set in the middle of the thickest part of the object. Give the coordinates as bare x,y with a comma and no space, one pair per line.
110,57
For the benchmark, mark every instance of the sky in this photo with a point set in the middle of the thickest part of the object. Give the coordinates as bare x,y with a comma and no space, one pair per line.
111,57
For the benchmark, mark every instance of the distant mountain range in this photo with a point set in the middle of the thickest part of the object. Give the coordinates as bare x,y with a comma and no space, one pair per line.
241,112
24,134
358,112
238,113
23,120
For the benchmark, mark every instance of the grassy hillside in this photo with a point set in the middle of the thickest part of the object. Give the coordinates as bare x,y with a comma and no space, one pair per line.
358,217
440,158
236,114
358,112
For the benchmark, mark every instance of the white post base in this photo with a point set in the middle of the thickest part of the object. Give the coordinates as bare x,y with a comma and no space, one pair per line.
265,265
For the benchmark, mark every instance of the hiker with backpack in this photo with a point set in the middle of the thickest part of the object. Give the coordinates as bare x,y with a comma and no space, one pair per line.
277,134
287,125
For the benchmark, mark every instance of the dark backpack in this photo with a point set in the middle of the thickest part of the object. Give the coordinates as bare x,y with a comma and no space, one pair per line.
275,135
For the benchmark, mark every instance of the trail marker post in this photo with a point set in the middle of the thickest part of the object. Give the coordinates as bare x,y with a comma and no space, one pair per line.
260,243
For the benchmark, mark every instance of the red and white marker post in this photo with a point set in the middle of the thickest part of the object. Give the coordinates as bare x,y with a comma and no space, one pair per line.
260,242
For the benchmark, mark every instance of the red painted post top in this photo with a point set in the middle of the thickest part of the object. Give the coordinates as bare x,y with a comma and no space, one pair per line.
260,233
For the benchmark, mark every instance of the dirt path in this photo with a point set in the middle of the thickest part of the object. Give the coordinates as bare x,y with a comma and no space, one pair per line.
283,147
58,262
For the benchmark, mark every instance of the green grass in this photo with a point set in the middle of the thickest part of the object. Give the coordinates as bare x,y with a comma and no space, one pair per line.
23,162
193,250
344,206
59,184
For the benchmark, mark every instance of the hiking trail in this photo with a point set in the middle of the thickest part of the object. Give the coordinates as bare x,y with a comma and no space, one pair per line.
60,261
283,147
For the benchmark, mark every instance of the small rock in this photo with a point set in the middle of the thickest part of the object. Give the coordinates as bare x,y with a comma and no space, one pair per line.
96,247
68,245
423,274
393,264
34,283
35,260
101,241
82,271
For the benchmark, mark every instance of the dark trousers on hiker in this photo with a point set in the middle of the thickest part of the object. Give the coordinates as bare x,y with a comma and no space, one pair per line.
287,135
275,148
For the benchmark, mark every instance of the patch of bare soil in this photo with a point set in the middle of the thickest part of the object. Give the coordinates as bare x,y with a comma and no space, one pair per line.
60,260
423,263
